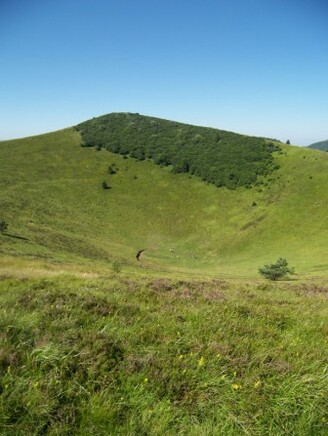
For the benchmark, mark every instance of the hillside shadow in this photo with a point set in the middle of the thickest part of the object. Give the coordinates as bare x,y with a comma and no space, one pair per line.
16,236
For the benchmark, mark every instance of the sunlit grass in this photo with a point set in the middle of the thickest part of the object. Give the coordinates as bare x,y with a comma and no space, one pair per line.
127,355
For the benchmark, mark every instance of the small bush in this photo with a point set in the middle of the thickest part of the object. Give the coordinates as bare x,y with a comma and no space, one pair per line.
112,169
276,271
105,185
3,226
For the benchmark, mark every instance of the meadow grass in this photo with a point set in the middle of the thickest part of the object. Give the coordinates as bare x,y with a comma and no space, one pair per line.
127,354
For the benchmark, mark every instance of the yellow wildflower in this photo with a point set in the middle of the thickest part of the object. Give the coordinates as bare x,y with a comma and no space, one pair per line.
145,379
257,384
235,386
181,356
201,362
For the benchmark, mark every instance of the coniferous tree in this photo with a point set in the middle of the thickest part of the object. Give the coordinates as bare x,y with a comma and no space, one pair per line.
276,271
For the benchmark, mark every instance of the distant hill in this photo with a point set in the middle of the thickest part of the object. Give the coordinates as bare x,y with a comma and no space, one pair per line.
216,156
322,145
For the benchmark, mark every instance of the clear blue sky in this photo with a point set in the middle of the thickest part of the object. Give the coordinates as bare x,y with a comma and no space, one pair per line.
257,67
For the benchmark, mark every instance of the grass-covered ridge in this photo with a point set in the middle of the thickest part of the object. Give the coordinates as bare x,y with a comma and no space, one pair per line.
124,355
322,145
52,198
220,157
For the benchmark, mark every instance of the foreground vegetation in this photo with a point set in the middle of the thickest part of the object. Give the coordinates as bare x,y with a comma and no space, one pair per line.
219,157
124,355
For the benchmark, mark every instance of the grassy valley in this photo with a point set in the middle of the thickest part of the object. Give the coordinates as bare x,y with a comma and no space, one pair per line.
189,340
52,197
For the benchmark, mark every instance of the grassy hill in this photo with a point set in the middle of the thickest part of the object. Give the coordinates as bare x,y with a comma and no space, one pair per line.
322,145
188,341
52,197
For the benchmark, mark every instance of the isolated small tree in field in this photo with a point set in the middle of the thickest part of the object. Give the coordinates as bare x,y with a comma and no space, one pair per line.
105,185
3,226
288,141
112,169
276,271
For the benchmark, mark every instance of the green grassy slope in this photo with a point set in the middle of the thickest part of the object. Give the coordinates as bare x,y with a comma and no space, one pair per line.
116,356
87,350
52,199
322,145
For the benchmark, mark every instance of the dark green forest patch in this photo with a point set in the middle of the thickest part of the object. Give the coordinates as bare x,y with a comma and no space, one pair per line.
216,156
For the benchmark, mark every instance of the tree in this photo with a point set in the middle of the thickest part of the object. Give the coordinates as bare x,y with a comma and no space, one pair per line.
138,154
180,166
112,169
105,185
276,271
3,226
288,141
